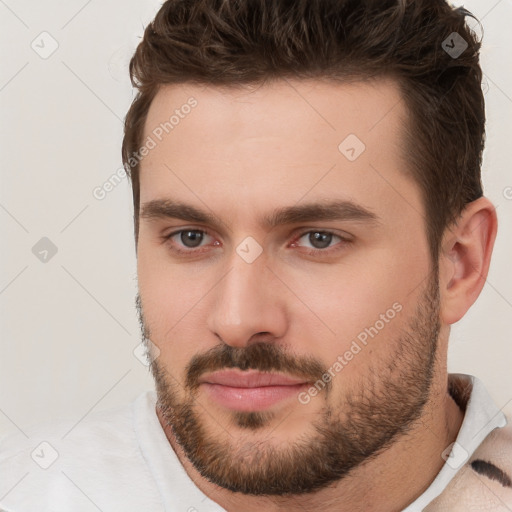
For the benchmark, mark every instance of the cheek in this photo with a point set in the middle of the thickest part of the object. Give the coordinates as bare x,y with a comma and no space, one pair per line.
338,301
174,298
164,286
358,310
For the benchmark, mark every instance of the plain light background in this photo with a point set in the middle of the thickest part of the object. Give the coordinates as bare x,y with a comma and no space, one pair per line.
68,325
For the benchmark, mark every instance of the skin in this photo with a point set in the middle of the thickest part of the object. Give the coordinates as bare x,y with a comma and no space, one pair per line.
242,153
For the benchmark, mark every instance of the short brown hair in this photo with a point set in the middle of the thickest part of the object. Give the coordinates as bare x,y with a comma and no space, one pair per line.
236,42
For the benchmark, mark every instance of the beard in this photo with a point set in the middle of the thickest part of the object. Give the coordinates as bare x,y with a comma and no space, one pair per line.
351,428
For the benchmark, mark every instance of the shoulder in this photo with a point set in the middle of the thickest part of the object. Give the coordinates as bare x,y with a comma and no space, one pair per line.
60,465
484,483
93,432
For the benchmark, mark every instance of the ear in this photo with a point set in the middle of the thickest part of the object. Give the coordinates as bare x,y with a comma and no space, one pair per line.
465,258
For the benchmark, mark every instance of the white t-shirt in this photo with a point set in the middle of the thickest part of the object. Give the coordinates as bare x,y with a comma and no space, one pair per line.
121,460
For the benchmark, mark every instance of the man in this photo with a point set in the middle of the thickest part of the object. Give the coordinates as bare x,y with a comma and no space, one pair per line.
309,223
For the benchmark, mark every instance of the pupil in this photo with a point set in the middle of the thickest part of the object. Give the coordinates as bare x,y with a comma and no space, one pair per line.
191,236
323,238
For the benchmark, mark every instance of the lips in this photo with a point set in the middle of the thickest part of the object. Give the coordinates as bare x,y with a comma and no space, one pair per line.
250,390
249,379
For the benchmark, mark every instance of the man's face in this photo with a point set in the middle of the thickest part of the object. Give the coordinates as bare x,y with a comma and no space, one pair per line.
289,351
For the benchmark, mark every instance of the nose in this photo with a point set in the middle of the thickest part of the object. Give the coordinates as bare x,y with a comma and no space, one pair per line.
247,303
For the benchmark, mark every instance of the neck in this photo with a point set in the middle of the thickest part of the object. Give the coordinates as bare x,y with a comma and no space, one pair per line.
387,483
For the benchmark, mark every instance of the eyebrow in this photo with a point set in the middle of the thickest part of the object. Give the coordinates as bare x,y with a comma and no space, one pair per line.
340,210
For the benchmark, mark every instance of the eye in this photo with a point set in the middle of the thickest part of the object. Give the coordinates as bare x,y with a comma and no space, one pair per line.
190,239
320,241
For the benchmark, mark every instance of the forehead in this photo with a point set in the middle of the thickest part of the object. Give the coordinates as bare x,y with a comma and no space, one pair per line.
238,149
309,109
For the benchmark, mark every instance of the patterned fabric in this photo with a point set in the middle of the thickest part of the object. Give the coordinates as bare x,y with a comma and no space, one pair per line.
484,482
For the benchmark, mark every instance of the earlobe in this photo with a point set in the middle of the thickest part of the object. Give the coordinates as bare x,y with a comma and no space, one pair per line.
465,259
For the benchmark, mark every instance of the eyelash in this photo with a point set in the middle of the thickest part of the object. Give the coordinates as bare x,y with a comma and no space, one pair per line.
309,252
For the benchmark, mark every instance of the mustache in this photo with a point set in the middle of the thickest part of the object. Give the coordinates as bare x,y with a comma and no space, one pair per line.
260,356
